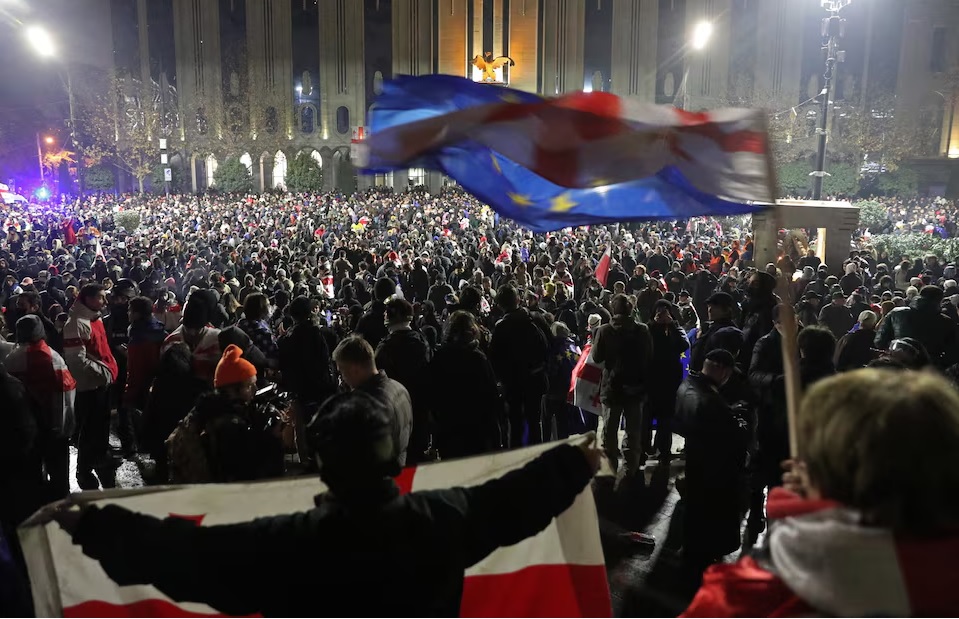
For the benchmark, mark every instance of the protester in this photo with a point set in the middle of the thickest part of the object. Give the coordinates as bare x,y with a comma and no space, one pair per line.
716,442
884,507
93,367
354,359
518,353
625,348
317,269
52,392
463,395
435,535
854,349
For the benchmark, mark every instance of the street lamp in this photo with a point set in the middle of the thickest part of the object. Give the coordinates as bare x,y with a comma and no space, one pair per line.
43,44
41,41
832,27
698,41
701,34
48,140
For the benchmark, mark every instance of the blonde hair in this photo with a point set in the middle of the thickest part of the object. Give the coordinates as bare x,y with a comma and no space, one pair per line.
868,319
885,443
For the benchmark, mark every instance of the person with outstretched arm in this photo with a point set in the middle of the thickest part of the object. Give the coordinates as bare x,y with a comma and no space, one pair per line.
363,550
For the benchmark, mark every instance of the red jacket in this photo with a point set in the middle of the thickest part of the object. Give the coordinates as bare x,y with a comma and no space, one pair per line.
819,560
143,355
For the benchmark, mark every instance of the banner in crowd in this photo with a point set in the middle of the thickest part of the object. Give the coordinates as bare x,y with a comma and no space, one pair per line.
558,573
585,383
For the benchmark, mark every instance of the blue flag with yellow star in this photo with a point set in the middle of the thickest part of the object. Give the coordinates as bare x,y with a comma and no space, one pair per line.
448,124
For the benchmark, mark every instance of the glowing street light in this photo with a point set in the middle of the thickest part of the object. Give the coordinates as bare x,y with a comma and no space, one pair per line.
701,34
48,140
697,42
41,41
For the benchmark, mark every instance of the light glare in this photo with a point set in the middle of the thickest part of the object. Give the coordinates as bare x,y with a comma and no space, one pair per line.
701,34
41,41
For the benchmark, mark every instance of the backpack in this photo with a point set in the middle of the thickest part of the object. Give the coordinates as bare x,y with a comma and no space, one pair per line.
186,453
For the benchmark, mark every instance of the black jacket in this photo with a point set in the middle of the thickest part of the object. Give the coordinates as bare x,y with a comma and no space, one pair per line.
464,400
836,318
305,363
371,325
518,353
625,347
757,321
854,350
666,369
239,444
405,355
713,336
394,396
923,321
19,462
716,443
413,548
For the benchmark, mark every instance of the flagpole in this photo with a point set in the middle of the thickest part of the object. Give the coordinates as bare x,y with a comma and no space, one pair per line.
787,321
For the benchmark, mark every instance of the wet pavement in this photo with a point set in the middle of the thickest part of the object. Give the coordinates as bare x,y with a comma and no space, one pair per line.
645,580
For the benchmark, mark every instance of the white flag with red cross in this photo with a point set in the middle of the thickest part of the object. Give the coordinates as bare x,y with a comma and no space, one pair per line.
560,572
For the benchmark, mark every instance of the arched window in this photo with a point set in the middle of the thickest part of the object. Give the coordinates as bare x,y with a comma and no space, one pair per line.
279,170
211,166
307,119
201,122
316,156
272,120
377,82
342,120
247,160
417,177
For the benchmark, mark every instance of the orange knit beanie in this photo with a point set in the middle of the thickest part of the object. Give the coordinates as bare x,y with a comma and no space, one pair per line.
232,368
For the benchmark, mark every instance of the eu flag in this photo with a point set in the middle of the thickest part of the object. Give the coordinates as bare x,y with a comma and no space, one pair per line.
606,160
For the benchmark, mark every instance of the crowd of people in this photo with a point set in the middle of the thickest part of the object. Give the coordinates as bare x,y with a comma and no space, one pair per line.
461,331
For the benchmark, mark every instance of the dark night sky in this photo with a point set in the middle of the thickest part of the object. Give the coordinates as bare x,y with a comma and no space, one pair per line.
32,95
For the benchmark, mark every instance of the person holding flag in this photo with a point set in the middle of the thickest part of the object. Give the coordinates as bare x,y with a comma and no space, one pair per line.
433,535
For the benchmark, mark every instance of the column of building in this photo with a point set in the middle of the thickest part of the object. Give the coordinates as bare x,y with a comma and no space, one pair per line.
562,27
707,71
197,42
779,51
634,41
270,66
342,84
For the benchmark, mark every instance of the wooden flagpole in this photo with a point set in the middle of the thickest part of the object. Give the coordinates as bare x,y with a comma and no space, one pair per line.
787,319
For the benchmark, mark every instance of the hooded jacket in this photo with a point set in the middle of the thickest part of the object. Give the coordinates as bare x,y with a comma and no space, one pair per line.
821,560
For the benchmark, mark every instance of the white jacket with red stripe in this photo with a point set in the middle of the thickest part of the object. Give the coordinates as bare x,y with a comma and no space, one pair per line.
86,350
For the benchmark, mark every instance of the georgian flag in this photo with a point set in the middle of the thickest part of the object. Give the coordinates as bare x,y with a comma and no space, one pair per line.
584,388
559,572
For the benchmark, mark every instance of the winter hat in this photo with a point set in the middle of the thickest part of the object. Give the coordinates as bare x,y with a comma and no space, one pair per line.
232,368
29,329
594,321
808,272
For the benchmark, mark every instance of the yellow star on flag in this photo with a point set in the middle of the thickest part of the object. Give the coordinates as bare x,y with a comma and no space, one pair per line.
495,163
509,97
561,203
519,199
599,182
